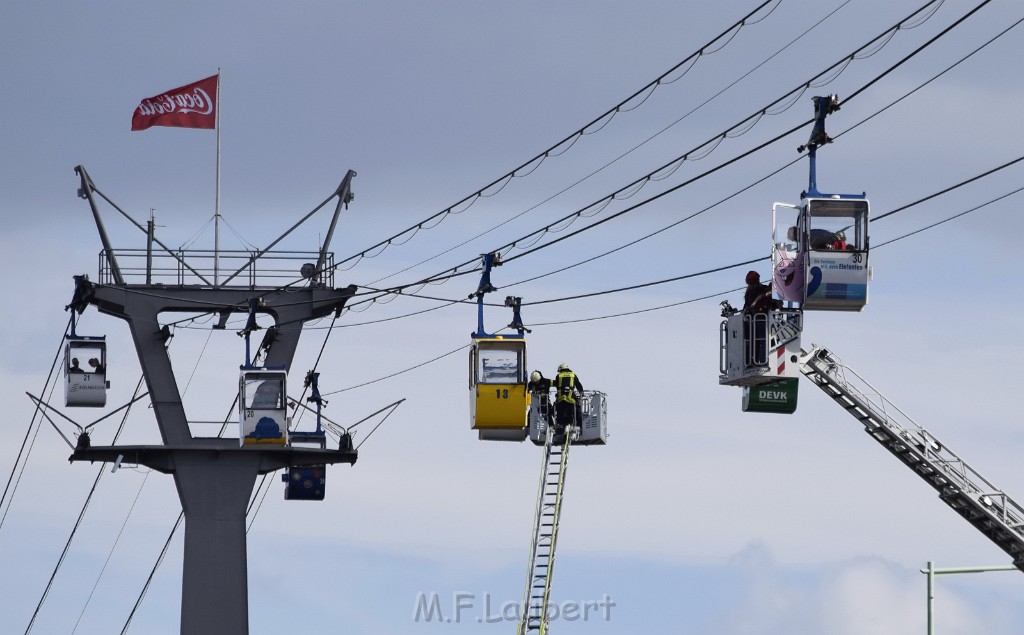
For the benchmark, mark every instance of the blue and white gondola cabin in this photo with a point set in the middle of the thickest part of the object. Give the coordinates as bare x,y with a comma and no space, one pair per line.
820,258
262,404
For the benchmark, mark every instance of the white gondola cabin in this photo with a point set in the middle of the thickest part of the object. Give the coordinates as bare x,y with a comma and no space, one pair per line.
262,405
820,253
85,371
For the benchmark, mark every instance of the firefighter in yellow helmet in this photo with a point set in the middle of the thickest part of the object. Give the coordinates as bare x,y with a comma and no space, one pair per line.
568,397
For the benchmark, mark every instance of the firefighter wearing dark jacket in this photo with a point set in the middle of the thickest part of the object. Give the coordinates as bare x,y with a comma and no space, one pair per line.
568,397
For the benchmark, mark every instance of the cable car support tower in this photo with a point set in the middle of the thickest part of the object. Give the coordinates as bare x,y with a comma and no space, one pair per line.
215,476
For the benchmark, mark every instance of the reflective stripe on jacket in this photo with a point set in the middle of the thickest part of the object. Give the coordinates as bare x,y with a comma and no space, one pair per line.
565,383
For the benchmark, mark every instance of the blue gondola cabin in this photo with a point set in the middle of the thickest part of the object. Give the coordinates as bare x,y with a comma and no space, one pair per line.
305,483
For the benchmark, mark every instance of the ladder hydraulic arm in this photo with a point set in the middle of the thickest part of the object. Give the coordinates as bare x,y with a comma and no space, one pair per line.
986,507
534,616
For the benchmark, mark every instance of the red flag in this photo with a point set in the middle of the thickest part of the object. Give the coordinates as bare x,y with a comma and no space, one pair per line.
192,106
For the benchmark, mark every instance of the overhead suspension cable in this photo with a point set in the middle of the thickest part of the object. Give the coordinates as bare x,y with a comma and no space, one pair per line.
563,145
666,306
117,540
913,53
830,74
904,24
950,189
954,217
555,226
152,572
624,154
765,144
448,302
721,293
34,422
631,243
743,126
643,285
646,310
658,231
401,372
854,126
763,258
883,216
81,516
120,532
861,89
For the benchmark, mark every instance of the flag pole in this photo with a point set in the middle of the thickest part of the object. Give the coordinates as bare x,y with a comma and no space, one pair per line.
216,209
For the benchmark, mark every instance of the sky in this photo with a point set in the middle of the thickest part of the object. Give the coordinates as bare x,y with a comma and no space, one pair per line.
696,518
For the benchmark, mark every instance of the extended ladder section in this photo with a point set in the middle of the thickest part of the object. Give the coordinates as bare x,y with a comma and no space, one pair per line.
990,510
534,617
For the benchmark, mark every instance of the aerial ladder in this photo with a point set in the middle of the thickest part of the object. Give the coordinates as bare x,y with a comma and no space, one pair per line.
990,510
540,569
590,429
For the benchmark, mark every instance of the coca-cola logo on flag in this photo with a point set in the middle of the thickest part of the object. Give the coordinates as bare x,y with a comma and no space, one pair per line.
197,101
192,106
